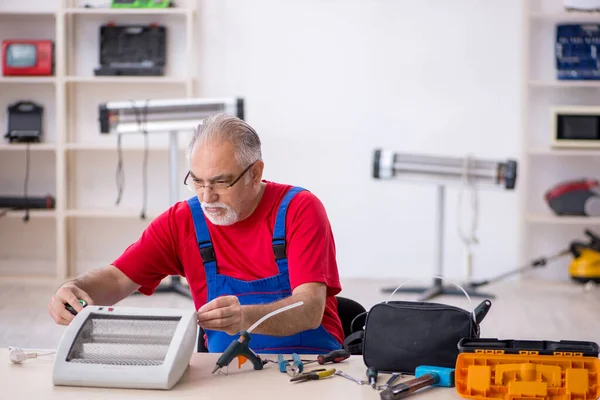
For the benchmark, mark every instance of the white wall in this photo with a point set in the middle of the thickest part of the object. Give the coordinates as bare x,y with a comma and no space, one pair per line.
327,81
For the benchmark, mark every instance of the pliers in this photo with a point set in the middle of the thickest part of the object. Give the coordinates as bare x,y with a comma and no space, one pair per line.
294,369
314,375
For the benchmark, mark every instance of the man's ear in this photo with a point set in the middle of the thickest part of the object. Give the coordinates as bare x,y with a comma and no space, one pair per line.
256,172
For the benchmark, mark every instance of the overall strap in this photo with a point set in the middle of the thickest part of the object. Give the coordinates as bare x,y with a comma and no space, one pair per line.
279,246
203,236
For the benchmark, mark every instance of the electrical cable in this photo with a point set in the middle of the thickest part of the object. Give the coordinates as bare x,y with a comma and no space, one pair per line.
444,279
468,239
120,177
145,164
272,313
142,121
25,188
18,355
26,184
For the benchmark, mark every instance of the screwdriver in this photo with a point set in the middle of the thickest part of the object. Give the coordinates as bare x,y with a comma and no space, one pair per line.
372,376
335,356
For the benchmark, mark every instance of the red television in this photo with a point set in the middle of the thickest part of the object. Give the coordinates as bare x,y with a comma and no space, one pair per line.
27,58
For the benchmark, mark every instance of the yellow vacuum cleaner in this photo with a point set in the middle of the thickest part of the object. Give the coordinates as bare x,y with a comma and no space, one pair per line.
584,268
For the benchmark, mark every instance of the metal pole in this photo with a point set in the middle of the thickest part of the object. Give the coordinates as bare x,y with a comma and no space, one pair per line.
175,285
438,246
439,228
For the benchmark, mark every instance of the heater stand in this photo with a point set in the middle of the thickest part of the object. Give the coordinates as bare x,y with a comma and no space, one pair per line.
442,171
175,285
438,288
166,115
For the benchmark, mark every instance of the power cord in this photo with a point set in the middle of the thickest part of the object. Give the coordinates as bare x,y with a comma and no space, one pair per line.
120,178
469,238
145,164
142,121
25,188
27,162
18,355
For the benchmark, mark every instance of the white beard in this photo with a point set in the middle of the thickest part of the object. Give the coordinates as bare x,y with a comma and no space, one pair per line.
229,218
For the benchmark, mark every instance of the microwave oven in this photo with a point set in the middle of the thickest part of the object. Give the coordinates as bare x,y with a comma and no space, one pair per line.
27,58
575,127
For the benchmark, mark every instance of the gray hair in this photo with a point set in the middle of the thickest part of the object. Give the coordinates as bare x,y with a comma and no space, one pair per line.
223,127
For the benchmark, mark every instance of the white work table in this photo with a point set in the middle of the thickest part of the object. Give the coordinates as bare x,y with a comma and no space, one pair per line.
33,380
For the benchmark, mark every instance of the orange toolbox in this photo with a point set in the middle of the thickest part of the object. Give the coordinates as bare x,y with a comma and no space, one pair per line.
527,370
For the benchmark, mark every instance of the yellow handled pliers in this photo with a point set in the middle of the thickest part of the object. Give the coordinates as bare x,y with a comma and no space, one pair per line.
314,375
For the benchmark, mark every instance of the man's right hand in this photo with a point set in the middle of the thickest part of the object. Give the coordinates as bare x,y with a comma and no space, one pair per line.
68,293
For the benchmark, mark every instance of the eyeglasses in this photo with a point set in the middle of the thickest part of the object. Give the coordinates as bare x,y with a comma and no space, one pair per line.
218,187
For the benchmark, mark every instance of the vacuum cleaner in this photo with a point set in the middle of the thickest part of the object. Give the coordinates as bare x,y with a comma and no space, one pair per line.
584,268
575,198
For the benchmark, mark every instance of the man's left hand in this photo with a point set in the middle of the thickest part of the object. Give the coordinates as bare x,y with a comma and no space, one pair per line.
221,314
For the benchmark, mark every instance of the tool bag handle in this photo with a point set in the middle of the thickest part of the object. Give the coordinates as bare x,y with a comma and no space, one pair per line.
354,342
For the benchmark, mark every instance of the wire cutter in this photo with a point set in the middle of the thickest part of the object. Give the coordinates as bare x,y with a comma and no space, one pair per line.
294,369
314,375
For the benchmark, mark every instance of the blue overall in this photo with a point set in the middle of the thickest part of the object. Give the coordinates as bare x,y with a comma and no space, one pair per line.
266,290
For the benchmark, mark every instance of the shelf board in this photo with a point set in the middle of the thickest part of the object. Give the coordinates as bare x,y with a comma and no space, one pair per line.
125,79
32,214
564,152
128,11
27,79
112,213
23,146
32,13
565,84
567,16
556,220
113,147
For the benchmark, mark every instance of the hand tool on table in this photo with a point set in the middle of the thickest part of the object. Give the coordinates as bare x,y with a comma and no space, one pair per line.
296,368
314,375
372,376
239,348
353,379
425,375
390,381
335,356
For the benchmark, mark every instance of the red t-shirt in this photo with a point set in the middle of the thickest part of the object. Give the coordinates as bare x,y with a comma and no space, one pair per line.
168,247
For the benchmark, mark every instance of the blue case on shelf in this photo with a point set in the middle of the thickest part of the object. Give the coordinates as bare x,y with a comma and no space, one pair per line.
576,51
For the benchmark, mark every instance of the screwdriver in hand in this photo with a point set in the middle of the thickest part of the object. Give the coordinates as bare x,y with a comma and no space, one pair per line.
335,356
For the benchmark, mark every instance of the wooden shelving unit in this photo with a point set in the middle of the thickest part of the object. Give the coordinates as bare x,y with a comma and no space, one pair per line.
75,163
542,167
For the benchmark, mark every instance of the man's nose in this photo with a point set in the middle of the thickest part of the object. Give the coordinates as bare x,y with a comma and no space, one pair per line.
209,195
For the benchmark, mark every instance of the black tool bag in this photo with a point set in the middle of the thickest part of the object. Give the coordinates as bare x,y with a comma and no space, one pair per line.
399,336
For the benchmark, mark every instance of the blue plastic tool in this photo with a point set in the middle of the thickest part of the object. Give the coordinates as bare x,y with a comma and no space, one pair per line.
297,366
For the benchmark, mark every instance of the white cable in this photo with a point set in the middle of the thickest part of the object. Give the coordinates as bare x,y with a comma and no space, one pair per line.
272,313
18,355
469,239
442,278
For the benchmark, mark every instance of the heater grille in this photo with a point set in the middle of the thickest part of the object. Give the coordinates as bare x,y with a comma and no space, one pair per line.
123,340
